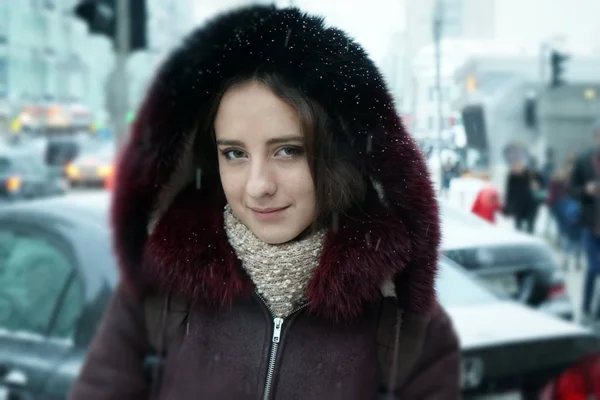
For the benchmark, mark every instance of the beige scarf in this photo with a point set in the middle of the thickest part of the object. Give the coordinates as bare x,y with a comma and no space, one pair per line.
280,272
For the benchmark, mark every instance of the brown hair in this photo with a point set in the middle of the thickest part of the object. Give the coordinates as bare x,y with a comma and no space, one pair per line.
340,180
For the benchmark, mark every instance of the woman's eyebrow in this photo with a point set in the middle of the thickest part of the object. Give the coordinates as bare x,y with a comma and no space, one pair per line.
275,140
285,139
229,142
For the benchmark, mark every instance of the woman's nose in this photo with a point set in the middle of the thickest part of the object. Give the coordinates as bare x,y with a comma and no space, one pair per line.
261,181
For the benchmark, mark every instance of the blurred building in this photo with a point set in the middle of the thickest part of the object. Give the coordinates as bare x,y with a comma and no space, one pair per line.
525,25
424,99
168,22
52,71
494,90
460,19
49,62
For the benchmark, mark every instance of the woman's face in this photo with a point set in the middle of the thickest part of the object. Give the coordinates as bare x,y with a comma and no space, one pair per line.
263,164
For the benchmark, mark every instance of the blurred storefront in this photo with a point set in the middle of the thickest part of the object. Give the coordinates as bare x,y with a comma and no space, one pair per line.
53,119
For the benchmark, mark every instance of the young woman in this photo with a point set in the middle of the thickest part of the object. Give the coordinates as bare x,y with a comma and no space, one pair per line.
276,228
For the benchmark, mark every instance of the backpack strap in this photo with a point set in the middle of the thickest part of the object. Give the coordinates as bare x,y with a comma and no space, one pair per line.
400,338
163,316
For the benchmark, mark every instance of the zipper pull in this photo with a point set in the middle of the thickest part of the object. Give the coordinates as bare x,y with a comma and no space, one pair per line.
277,324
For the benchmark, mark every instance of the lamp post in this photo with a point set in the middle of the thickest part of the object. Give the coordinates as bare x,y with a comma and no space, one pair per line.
121,86
437,36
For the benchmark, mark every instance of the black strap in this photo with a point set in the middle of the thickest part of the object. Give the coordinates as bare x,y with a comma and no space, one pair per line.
400,338
164,315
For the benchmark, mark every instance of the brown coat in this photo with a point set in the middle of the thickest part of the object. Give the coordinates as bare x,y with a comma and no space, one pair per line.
225,355
170,240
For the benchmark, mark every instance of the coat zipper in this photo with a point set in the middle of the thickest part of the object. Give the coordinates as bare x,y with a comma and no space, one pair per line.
275,341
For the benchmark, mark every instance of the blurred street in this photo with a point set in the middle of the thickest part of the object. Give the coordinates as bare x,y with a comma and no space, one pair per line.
495,101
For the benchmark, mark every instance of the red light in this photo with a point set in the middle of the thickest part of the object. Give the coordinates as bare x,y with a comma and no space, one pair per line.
581,382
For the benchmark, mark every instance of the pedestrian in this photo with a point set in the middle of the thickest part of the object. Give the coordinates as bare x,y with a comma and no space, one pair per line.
585,187
547,172
276,228
549,166
449,172
572,214
522,195
561,206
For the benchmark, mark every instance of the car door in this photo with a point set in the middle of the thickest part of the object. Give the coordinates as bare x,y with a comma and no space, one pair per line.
38,276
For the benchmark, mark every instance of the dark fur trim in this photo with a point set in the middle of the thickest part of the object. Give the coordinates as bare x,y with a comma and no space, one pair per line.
188,254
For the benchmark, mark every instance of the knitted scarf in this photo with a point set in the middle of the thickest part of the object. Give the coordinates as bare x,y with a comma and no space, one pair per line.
280,272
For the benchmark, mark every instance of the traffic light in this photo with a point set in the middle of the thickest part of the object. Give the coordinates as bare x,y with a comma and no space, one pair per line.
557,68
101,18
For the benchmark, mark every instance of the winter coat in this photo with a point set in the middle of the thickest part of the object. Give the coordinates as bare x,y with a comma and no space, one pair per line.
520,197
587,169
171,243
558,190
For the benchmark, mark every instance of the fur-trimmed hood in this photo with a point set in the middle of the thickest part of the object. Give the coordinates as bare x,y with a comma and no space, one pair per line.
168,228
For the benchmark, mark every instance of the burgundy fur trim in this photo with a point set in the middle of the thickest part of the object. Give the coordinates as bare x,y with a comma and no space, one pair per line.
189,256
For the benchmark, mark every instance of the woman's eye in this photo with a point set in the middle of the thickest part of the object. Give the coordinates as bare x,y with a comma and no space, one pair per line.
233,154
290,151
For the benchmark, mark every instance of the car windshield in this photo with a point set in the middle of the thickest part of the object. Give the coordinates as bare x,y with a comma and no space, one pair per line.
456,288
97,154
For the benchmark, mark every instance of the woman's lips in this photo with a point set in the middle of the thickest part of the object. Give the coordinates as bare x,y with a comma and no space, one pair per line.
268,213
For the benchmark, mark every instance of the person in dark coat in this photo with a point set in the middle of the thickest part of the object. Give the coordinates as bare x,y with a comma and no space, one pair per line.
585,188
560,203
276,229
521,201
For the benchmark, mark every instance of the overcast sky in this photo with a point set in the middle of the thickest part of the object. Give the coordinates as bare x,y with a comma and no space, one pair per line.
372,22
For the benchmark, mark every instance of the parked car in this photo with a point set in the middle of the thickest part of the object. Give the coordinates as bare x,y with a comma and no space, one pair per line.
92,167
520,266
23,175
57,273
507,348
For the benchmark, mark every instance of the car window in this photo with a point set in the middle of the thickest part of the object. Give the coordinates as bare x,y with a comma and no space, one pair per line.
456,288
69,309
35,274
